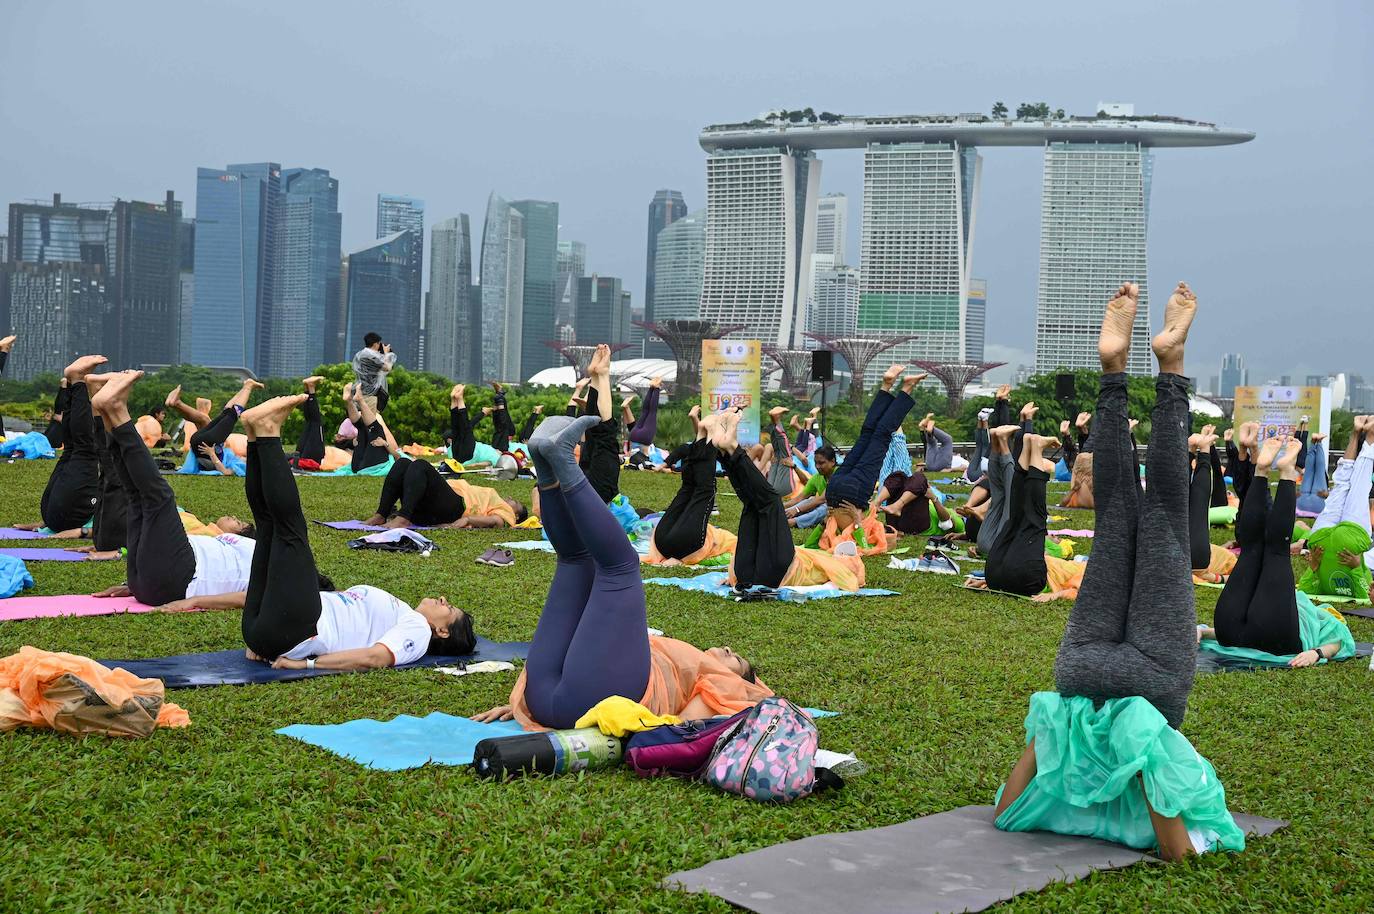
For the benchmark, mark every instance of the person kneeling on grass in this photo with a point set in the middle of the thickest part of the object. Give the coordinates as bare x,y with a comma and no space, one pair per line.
429,500
592,640
808,508
287,620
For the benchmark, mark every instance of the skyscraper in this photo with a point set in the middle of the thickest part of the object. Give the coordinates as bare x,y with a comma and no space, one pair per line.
761,206
379,285
186,293
976,321
306,325
835,302
503,290
679,267
57,232
58,307
1233,374
603,312
571,266
4,248
1094,213
450,312
407,214
917,241
143,283
541,272
832,224
236,223
665,208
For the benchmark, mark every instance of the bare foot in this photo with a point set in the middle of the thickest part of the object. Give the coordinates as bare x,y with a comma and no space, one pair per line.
1064,428
726,435
1268,451
1248,436
96,381
7,343
538,409
174,397
83,366
1082,421
496,386
398,523
265,419
310,383
581,383
1028,411
1004,431
1131,424
486,410
656,382
375,520
890,376
1004,392
600,365
625,403
1114,342
250,384
1228,434
579,402
348,392
114,393
455,396
1178,317
910,381
1287,462
815,411
1195,444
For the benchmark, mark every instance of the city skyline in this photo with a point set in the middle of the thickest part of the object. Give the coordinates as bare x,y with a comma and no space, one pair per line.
1212,221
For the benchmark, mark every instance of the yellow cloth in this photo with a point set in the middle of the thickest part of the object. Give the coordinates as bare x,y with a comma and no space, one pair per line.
194,527
816,566
718,542
618,716
480,501
1064,576
1223,562
530,523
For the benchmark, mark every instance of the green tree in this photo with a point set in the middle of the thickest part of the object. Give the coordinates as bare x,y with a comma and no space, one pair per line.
999,110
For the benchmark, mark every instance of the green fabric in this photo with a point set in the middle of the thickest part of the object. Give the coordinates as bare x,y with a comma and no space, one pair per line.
813,539
1316,627
380,469
1223,516
934,528
1087,762
814,486
1331,577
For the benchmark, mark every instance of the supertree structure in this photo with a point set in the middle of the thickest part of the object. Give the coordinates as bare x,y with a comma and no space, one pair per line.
684,337
796,368
858,353
580,356
956,376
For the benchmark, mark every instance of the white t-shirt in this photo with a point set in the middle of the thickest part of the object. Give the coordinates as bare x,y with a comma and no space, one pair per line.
361,617
222,564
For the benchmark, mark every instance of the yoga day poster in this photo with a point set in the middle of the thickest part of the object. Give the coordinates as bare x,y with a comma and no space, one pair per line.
730,377
1279,409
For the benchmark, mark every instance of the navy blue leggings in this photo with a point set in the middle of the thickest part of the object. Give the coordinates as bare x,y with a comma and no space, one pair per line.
591,641
856,479
646,426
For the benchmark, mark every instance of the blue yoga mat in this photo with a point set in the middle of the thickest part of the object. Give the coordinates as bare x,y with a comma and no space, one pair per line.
713,582
403,742
184,671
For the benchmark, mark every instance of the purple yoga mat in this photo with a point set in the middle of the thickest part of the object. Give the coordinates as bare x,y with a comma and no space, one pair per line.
9,533
44,555
357,525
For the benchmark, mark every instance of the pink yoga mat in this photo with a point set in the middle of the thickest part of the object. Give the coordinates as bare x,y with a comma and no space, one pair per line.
1081,534
16,608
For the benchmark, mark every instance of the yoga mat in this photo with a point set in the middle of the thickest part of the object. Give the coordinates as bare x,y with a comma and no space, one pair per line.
1212,662
41,554
949,862
16,608
402,742
1081,534
714,583
989,590
357,525
10,533
184,671
1365,612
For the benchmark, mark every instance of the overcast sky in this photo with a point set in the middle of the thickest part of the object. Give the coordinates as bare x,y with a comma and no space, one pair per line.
596,105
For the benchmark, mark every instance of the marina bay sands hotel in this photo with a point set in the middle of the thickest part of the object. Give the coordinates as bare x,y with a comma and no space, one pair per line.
920,205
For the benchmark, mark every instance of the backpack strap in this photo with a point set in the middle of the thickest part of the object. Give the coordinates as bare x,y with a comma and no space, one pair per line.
827,780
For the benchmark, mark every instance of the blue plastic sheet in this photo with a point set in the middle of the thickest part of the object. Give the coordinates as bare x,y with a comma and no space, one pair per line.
713,582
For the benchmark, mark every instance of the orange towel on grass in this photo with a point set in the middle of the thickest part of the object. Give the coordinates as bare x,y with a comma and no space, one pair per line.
74,694
718,542
815,566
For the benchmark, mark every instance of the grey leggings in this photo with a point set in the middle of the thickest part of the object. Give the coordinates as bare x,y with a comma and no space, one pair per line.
780,475
1132,629
939,451
1001,469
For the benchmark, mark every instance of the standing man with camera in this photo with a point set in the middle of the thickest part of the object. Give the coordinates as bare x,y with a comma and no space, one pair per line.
370,368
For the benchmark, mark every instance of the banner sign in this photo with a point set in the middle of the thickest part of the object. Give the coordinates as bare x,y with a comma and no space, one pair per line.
1278,410
730,377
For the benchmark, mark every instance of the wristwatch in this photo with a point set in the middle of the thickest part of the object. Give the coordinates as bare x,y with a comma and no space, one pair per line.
310,663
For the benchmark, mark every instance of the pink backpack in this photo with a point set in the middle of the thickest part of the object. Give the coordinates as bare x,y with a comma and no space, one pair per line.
770,756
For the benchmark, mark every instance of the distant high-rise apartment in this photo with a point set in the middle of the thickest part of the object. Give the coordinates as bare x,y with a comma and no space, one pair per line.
57,232
379,284
236,224
571,266
1095,209
835,302
976,321
1360,394
58,307
665,208
603,311
503,290
832,221
1233,374
1316,380
541,273
187,285
679,269
4,248
917,241
760,235
407,214
453,320
143,283
305,324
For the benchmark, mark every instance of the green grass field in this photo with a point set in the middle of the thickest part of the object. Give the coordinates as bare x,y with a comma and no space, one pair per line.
933,686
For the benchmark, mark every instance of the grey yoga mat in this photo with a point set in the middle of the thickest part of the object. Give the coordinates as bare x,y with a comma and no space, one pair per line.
949,862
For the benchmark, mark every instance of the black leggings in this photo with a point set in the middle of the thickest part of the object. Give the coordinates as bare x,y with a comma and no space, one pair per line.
1218,479
765,549
160,563
73,489
528,428
111,527
682,530
214,434
1199,503
365,453
1240,471
1257,608
311,446
600,458
502,428
464,442
282,608
1016,563
425,498
59,408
